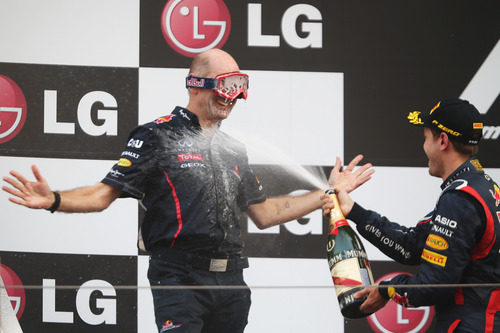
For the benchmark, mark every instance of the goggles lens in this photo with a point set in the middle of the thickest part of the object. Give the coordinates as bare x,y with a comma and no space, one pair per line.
229,85
233,85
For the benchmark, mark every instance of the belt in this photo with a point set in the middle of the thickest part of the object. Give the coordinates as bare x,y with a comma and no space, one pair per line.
228,264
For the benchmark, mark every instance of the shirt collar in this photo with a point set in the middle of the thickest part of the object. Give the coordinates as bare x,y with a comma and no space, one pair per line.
470,165
186,117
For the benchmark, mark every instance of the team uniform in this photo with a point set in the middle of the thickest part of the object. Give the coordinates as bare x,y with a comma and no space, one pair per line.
457,243
194,190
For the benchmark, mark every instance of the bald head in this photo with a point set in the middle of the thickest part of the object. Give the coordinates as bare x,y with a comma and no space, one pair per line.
212,63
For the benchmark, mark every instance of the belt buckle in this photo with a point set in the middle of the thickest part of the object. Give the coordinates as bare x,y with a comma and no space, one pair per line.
218,265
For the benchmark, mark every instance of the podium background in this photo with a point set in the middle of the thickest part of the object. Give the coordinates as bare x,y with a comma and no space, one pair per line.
327,79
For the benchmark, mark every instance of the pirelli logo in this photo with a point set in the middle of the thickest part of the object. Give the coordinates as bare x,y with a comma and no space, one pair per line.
434,258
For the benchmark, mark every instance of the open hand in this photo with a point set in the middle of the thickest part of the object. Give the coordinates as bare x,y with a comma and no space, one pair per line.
348,179
26,193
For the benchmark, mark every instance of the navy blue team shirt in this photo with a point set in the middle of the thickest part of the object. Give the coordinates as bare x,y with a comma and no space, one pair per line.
194,188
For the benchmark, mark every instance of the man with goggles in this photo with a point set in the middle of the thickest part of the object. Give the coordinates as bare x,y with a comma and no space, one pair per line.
229,85
195,184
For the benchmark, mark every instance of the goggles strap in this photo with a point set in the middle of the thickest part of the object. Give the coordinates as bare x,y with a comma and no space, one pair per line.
201,82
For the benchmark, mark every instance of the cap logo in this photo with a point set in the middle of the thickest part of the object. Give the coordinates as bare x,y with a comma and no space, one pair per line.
434,108
446,129
414,118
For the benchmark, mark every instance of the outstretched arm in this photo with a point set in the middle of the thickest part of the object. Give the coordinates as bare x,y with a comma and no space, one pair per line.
38,194
286,208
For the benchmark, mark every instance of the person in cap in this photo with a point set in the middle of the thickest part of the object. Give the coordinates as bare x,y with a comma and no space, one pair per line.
195,184
457,244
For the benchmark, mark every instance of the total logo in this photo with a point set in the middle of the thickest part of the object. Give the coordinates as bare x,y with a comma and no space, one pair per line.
398,319
193,26
14,289
13,110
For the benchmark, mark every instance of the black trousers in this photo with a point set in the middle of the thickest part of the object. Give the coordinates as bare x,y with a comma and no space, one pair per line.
179,308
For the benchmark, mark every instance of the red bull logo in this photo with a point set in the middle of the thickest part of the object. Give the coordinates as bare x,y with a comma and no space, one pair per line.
168,325
166,119
496,194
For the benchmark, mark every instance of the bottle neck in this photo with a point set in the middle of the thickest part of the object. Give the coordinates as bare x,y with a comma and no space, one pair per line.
337,218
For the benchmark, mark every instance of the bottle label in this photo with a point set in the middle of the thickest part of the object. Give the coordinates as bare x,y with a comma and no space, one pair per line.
366,277
346,255
337,224
346,275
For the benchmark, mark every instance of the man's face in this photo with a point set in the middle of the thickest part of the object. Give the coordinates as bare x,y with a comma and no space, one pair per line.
218,107
433,152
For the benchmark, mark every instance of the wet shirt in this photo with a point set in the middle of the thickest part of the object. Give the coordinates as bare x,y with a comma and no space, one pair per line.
194,188
457,243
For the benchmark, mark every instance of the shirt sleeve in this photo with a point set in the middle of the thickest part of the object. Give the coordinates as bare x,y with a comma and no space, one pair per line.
448,250
251,190
398,242
131,171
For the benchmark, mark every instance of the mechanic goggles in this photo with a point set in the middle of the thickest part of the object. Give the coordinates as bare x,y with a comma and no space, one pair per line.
230,85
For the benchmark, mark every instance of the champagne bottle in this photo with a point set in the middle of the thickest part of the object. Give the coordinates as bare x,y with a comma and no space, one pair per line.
348,262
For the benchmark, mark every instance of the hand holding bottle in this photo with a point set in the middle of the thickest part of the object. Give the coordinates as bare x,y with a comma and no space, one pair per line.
374,301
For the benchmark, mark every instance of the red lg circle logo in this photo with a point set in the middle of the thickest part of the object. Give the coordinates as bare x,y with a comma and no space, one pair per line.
12,109
193,26
15,290
395,318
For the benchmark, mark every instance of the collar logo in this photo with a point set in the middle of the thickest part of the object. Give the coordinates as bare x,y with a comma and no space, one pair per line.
166,119
12,109
193,26
476,164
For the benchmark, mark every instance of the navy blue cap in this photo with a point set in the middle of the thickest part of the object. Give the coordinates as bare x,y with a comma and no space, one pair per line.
456,117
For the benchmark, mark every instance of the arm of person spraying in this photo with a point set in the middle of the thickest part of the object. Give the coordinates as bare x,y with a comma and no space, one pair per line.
282,209
37,194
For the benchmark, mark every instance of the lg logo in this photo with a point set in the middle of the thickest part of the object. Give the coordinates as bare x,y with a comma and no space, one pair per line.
108,115
105,303
13,110
394,317
193,26
15,290
312,28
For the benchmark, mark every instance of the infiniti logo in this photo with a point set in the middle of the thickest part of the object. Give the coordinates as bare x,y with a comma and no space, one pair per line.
193,26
